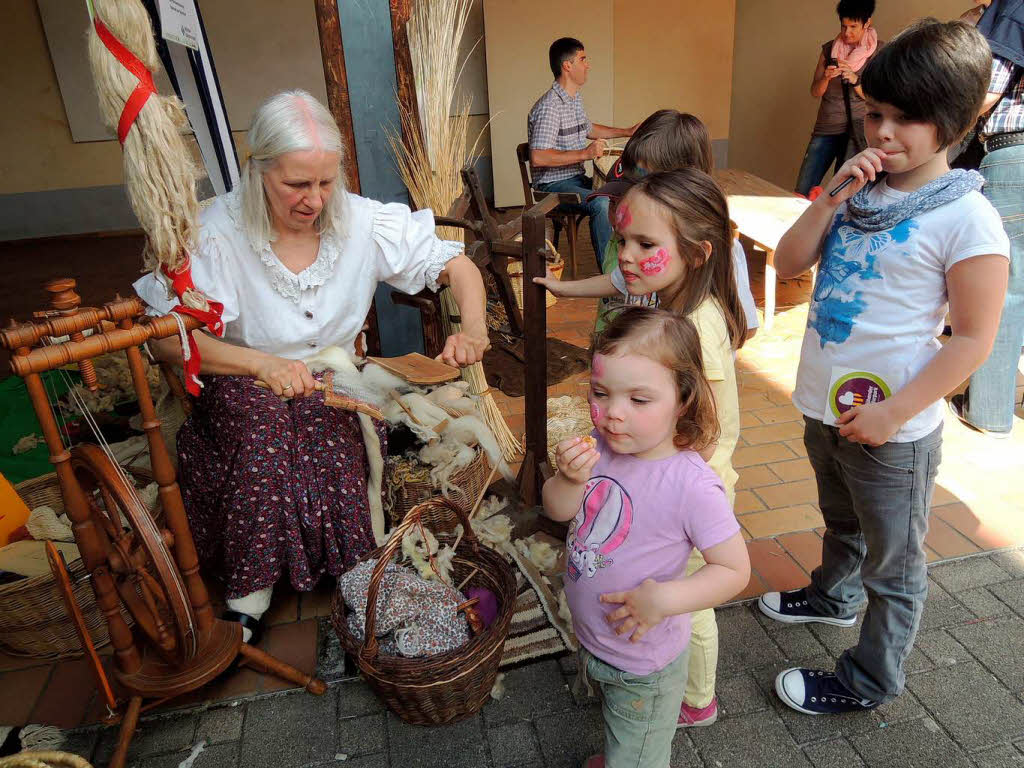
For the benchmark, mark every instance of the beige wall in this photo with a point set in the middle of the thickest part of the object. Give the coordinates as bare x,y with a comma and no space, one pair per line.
777,48
646,55
39,153
519,33
674,54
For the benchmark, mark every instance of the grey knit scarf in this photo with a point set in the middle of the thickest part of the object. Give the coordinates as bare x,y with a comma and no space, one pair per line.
945,189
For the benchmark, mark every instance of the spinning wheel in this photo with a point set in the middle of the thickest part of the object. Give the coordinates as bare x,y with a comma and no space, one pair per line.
150,571
137,556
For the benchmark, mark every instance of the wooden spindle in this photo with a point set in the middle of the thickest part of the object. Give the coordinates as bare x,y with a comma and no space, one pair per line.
170,492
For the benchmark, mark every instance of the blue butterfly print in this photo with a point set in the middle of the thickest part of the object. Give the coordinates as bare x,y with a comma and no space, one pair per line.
832,272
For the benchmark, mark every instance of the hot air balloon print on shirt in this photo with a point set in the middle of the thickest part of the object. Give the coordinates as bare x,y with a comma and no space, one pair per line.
599,528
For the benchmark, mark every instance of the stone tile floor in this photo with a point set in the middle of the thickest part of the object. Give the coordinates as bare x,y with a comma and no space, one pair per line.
963,706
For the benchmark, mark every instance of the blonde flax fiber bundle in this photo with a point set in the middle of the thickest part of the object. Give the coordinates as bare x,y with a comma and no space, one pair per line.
160,173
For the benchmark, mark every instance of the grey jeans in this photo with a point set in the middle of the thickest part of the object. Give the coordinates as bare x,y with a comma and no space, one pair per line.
640,711
875,502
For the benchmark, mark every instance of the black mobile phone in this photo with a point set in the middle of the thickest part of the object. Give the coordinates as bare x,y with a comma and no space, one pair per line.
831,62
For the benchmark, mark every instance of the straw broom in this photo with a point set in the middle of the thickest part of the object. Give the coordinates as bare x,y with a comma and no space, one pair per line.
430,160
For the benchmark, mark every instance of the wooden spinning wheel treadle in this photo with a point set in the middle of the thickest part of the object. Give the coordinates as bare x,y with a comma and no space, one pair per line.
147,569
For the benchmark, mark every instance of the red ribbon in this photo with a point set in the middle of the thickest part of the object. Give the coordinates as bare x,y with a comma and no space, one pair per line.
181,281
131,62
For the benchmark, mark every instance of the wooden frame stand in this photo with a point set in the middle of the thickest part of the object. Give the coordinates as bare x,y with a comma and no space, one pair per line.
148,570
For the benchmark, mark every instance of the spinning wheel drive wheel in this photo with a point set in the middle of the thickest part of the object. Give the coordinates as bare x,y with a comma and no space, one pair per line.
136,552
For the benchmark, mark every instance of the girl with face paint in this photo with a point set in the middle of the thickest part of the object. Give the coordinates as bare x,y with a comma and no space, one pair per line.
638,502
674,249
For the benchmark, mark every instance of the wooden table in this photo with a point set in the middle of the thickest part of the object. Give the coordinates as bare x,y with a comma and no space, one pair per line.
762,212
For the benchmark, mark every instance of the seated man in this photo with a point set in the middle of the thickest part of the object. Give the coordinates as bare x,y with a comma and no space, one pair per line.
558,130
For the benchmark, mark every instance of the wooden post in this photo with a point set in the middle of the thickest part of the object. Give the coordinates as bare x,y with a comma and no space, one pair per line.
535,469
405,78
332,53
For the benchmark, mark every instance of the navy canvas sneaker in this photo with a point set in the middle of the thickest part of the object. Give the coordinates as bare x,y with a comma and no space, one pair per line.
793,608
815,692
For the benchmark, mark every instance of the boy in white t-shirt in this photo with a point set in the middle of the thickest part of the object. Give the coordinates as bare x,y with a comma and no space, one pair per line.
893,251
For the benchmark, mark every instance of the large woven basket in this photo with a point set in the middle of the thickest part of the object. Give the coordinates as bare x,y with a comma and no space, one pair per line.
447,687
33,619
33,759
402,495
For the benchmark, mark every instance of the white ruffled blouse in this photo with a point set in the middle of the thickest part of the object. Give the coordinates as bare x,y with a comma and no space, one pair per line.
270,308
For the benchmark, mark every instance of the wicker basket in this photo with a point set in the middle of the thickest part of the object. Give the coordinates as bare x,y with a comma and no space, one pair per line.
515,273
402,496
33,619
447,687
34,759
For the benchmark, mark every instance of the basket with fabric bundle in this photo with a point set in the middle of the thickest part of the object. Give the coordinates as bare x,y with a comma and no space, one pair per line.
515,273
33,619
446,687
407,483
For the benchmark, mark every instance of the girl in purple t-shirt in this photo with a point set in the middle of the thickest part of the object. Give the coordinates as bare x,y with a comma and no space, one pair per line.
639,500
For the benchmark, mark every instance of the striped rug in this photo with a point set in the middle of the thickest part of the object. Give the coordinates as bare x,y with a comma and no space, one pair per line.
536,630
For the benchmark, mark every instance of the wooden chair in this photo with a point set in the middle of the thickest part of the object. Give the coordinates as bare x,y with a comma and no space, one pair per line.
559,216
491,247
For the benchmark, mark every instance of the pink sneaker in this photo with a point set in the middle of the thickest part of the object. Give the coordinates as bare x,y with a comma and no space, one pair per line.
691,717
594,761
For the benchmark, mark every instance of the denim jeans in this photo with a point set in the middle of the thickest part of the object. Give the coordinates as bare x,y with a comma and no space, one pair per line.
640,711
993,387
596,210
875,502
822,151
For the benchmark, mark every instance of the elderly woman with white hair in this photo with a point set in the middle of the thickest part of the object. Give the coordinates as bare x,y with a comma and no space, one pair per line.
278,487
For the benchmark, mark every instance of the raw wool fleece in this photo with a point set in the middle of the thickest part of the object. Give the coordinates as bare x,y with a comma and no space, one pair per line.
419,546
338,360
453,451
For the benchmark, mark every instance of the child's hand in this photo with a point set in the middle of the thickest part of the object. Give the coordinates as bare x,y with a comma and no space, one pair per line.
575,458
863,167
642,608
872,424
549,281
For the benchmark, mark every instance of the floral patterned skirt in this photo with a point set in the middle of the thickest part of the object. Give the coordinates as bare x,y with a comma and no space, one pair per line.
273,487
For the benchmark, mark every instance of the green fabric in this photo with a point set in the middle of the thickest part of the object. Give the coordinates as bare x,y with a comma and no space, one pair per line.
17,419
608,265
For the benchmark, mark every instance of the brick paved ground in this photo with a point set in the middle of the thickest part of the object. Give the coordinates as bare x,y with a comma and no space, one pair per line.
964,704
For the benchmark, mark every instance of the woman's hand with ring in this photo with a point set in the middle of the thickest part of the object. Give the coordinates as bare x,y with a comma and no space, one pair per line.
288,378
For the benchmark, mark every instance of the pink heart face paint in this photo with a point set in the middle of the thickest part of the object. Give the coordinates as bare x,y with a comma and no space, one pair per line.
622,217
655,264
595,414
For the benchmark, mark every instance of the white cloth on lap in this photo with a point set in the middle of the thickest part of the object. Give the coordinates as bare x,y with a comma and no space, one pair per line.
269,308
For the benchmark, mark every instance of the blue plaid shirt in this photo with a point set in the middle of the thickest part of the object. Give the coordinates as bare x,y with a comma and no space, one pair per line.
1008,115
558,122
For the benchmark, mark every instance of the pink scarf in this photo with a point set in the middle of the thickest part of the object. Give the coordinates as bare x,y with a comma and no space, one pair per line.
855,55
